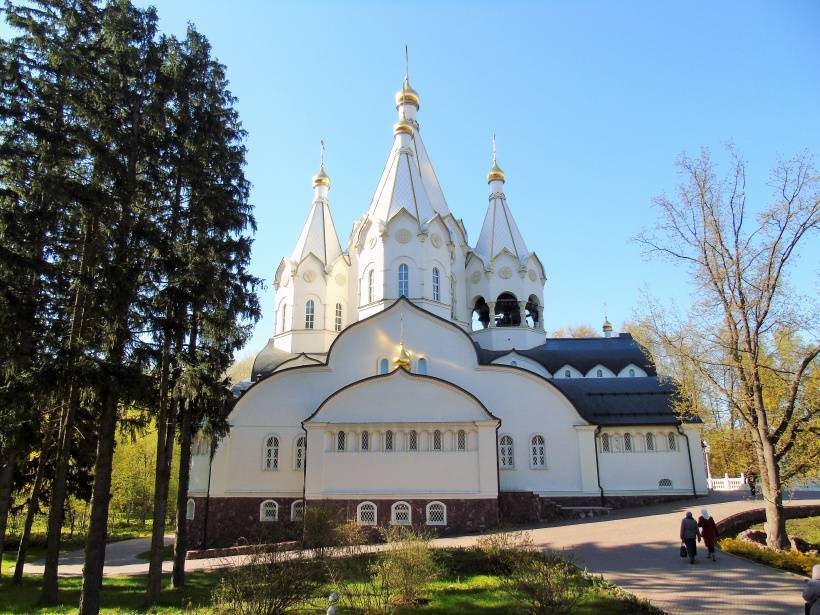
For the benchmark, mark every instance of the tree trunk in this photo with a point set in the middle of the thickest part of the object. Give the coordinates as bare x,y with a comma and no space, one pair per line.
776,536
181,540
32,508
100,499
6,486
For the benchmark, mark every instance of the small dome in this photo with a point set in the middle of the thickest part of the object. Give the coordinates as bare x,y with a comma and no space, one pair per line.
607,326
407,95
403,360
403,126
495,173
321,178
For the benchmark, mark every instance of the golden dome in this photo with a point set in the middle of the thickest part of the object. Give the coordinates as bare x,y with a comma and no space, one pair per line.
403,126
495,173
407,95
607,326
321,178
403,360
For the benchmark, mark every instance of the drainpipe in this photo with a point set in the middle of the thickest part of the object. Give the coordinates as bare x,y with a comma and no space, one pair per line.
304,484
597,467
208,495
497,475
689,453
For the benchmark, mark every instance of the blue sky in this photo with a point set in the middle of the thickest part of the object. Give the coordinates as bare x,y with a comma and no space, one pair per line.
592,103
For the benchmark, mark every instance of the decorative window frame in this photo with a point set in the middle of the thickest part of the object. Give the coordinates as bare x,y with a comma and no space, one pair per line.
606,443
371,285
337,320
393,507
461,440
262,517
404,284
629,443
364,441
293,510
341,441
502,458
276,447
666,483
359,513
427,513
436,284
299,452
310,314
436,443
389,441
412,440
672,442
530,445
650,442
190,509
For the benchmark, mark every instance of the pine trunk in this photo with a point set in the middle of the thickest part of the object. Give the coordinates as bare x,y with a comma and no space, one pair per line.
6,485
22,548
181,540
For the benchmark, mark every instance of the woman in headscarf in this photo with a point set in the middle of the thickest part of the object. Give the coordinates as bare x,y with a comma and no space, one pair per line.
689,532
708,529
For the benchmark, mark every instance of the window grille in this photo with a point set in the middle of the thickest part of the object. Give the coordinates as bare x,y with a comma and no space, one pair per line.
384,366
605,444
388,440
461,440
650,442
365,441
506,452
600,373
538,452
404,281
400,514
436,514
366,514
370,286
340,441
309,314
413,441
628,442
567,373
672,442
300,452
422,366
190,510
297,510
436,285
632,373
338,317
269,511
665,483
436,440
270,454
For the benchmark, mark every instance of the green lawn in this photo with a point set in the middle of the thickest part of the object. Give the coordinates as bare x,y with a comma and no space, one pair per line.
808,529
167,554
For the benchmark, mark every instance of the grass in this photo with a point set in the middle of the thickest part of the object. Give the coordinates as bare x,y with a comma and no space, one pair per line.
807,528
464,587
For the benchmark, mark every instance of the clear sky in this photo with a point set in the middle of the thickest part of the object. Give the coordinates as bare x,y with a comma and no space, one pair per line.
592,102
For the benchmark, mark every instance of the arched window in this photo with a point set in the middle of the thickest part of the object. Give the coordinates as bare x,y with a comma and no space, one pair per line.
532,314
371,286
190,510
673,443
452,297
384,366
269,511
436,514
297,510
461,440
567,373
422,366
632,373
366,513
600,373
404,280
341,440
309,314
400,514
436,440
507,311
538,452
365,445
436,285
284,316
650,442
628,442
338,317
388,440
665,483
606,446
505,452
413,441
270,453
299,453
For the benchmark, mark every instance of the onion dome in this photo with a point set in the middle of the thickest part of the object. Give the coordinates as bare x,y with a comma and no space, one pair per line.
321,178
607,326
495,173
407,95
403,360
403,126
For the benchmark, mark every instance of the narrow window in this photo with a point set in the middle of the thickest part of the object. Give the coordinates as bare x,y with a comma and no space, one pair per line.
567,374
299,463
413,441
190,510
436,440
514,363
505,452
436,514
340,441
338,317
400,513
309,313
365,441
269,511
404,281
284,316
452,297
297,510
422,366
461,440
650,442
673,445
436,285
632,373
366,514
384,366
538,453
270,453
388,440
628,442
600,373
605,445
371,287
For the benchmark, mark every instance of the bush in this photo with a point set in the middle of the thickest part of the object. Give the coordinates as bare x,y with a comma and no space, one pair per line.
785,560
407,566
502,549
546,582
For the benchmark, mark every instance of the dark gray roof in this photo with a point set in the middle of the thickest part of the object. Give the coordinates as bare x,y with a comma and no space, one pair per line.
584,353
622,401
268,359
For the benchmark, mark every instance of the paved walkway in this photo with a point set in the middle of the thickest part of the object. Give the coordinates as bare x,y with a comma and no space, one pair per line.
636,549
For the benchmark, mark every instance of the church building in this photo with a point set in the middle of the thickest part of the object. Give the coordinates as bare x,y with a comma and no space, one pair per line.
409,381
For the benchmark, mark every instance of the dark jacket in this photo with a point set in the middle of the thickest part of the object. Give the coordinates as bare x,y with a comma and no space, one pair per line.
689,529
708,531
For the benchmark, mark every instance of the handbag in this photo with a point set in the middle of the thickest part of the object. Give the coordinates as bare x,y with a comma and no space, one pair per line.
683,552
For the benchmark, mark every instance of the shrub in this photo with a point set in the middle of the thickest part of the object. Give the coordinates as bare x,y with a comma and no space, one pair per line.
319,529
502,549
785,560
407,566
546,582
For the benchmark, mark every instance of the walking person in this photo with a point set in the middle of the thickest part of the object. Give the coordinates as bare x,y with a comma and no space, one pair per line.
689,533
709,532
812,592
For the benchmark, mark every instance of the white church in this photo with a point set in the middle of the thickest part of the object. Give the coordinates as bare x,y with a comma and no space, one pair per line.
409,381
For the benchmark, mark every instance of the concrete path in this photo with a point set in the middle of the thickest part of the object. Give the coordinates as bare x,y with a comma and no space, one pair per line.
636,549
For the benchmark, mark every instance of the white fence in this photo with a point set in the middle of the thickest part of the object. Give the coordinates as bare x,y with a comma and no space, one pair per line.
727,484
